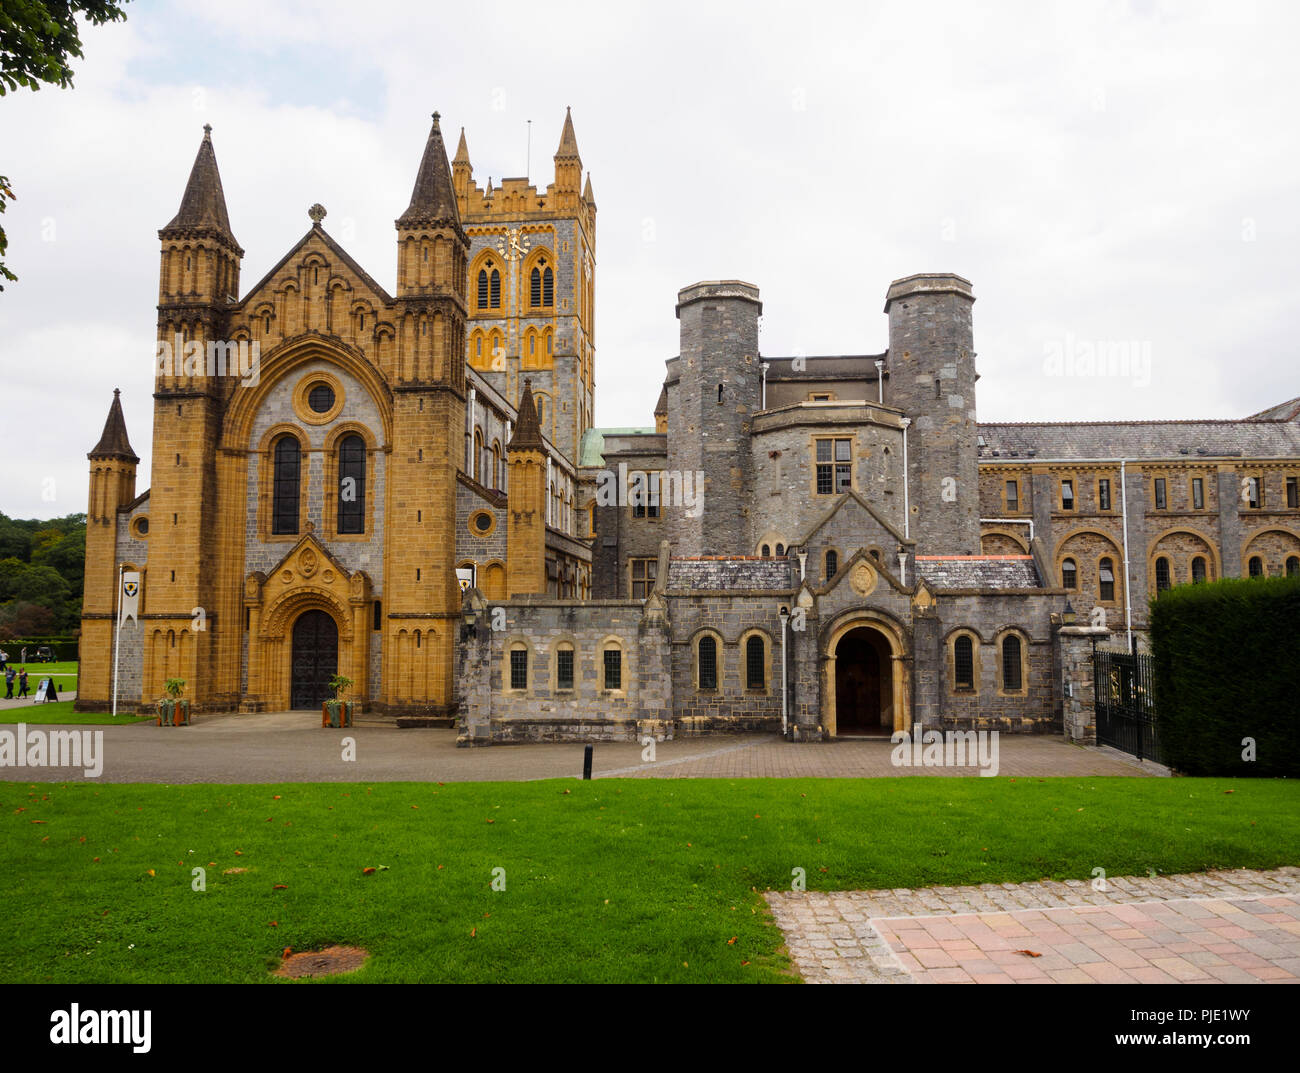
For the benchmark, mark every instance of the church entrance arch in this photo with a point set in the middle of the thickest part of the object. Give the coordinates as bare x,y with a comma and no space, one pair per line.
315,659
867,679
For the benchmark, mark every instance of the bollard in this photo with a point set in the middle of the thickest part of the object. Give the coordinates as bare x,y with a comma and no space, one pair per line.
586,762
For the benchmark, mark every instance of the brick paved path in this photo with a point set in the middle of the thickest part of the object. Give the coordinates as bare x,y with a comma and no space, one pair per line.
1214,927
293,747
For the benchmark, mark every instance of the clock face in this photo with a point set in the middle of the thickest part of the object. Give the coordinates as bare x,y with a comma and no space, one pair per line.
513,244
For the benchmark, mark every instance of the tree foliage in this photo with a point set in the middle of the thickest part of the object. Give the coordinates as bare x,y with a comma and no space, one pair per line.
42,566
38,41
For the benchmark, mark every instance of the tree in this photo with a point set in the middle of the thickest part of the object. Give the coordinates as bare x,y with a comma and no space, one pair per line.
38,39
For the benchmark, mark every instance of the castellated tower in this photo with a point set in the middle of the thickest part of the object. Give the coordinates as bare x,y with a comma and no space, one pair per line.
932,380
717,391
112,486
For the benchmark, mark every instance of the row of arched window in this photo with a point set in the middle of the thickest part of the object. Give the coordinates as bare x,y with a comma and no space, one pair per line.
964,665
519,673
540,290
287,483
709,663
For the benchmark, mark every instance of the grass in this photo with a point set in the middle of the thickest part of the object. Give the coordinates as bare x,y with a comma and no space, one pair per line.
60,711
64,674
606,881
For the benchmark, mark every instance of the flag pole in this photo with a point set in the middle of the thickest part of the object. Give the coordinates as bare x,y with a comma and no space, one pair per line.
117,634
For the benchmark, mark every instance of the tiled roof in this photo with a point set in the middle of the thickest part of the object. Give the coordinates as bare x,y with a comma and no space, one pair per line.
1141,439
114,443
724,573
978,571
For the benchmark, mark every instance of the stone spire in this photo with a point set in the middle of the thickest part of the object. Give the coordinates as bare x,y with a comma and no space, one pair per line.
462,150
203,206
114,444
568,141
528,431
434,198
587,195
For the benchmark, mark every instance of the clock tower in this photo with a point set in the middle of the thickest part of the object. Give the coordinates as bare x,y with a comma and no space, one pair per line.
532,264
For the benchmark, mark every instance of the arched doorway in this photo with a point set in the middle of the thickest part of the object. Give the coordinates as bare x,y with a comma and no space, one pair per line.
864,683
315,659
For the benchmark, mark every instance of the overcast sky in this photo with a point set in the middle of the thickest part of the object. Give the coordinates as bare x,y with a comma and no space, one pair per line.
1104,173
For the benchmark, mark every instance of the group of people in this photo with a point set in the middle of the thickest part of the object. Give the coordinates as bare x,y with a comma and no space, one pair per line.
10,675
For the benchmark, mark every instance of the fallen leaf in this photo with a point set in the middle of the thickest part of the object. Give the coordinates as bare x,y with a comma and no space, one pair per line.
40,821
731,941
274,924
277,798
491,821
367,871
151,871
473,932
287,951
1229,791
280,886
1029,953
743,963
757,816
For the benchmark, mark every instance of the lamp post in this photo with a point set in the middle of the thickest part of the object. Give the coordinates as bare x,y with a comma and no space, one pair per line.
785,694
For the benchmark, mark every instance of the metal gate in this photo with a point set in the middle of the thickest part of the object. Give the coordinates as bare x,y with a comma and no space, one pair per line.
1125,704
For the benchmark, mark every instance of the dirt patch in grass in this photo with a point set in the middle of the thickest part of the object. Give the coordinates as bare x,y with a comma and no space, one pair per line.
332,961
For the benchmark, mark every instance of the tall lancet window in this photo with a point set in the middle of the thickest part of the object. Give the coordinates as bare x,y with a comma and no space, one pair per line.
287,485
352,485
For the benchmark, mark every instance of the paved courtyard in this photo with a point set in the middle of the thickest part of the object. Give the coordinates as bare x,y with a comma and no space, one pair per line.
293,747
1215,927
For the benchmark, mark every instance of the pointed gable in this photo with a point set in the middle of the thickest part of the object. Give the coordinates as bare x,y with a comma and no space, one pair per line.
568,140
528,430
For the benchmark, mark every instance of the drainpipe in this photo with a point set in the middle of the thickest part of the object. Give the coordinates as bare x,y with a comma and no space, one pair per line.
469,432
907,512
1013,521
785,693
880,380
764,367
1128,599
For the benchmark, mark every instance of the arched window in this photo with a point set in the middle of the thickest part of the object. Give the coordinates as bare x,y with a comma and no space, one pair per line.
1106,580
1292,566
564,666
755,663
287,485
482,288
518,666
1069,574
539,401
1198,569
612,666
496,464
494,289
767,551
707,663
548,286
478,456
352,485
832,563
1012,679
1162,574
1256,566
963,663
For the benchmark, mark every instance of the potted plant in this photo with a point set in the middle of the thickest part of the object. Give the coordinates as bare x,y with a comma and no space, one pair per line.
173,709
338,711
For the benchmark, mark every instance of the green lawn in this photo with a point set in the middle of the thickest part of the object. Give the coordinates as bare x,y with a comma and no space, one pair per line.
61,712
611,880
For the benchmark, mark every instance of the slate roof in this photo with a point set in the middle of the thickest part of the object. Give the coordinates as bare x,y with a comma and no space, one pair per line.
528,432
1141,439
433,199
720,573
1283,411
114,443
978,571
203,205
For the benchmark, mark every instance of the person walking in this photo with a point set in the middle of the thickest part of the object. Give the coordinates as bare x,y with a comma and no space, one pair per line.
10,675
22,683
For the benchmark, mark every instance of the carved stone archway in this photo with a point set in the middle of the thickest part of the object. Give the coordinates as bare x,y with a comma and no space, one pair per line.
893,643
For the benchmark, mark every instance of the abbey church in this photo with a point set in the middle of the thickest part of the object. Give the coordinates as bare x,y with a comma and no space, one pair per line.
408,490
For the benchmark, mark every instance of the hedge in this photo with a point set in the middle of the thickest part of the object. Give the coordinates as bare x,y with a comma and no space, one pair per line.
65,648
1227,656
